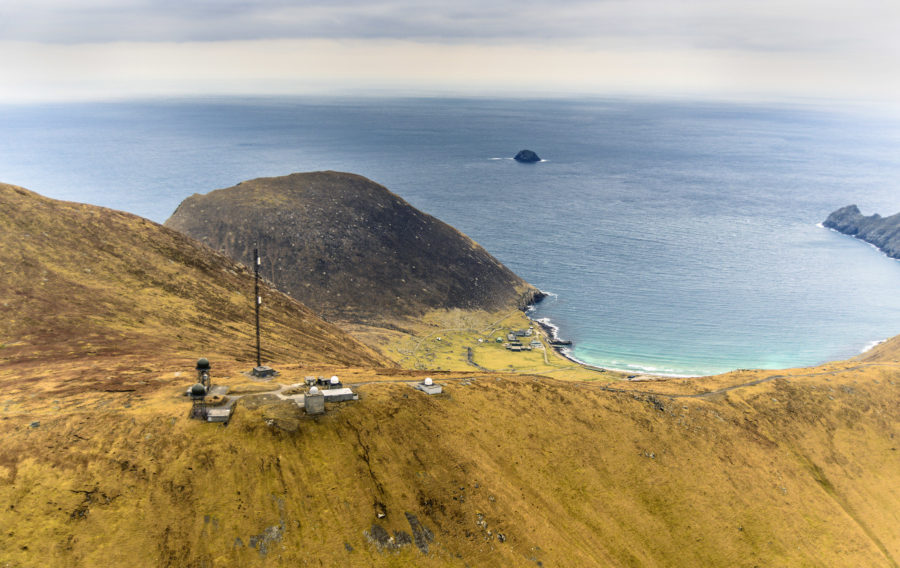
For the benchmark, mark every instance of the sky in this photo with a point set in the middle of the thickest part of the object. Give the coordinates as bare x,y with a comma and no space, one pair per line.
782,49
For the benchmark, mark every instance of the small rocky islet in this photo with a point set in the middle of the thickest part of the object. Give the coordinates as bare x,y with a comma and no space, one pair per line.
527,156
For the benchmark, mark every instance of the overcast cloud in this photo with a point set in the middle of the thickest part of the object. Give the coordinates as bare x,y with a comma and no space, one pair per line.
702,38
763,24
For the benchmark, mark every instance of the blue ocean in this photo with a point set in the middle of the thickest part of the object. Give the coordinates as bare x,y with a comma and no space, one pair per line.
680,238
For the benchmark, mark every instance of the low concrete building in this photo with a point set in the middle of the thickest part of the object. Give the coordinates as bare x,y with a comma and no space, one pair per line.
428,387
339,395
263,372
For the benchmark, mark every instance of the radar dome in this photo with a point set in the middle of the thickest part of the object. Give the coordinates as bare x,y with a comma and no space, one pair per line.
428,381
198,390
314,390
202,363
334,380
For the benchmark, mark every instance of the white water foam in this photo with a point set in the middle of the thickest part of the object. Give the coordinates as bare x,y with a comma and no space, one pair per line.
547,324
860,240
872,344
567,352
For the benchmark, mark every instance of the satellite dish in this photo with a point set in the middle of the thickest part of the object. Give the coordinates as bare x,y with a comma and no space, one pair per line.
335,380
428,381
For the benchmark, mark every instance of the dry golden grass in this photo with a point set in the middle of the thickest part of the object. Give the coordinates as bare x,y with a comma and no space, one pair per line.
800,471
441,339
82,281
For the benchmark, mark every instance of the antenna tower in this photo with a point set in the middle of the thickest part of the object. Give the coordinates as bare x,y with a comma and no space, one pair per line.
257,301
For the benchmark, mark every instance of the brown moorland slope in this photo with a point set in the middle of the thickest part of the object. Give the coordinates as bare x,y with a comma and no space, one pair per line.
500,470
99,465
886,351
349,248
80,281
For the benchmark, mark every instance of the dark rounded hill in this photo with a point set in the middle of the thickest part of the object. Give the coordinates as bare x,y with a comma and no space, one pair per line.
349,248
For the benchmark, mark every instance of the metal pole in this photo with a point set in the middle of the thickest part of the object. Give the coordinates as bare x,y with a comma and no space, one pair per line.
257,300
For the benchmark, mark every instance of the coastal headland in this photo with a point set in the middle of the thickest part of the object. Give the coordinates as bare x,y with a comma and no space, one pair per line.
882,232
106,314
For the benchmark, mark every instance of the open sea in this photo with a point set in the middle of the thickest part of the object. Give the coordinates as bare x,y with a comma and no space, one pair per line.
674,237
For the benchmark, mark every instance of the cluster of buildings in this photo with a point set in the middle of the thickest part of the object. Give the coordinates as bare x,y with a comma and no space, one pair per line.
516,340
210,403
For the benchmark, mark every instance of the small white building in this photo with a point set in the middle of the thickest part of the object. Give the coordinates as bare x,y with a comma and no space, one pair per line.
428,387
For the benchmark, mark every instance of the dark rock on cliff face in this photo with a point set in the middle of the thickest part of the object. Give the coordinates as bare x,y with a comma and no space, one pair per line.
883,232
349,248
527,156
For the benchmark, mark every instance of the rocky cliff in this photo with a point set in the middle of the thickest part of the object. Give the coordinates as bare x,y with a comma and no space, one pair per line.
349,248
883,232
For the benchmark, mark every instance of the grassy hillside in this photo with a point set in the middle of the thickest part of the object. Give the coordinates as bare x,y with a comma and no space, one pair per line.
500,470
80,281
100,466
886,351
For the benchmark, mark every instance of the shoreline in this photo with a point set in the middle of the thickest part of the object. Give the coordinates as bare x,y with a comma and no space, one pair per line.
860,239
562,347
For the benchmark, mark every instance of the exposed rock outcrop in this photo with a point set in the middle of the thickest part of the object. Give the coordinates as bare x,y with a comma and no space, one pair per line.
349,248
527,156
883,232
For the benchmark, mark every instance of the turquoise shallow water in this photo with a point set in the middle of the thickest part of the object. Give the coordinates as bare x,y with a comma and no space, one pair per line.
676,237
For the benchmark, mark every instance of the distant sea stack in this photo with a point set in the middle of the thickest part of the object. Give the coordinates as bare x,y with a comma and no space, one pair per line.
349,248
527,156
883,232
